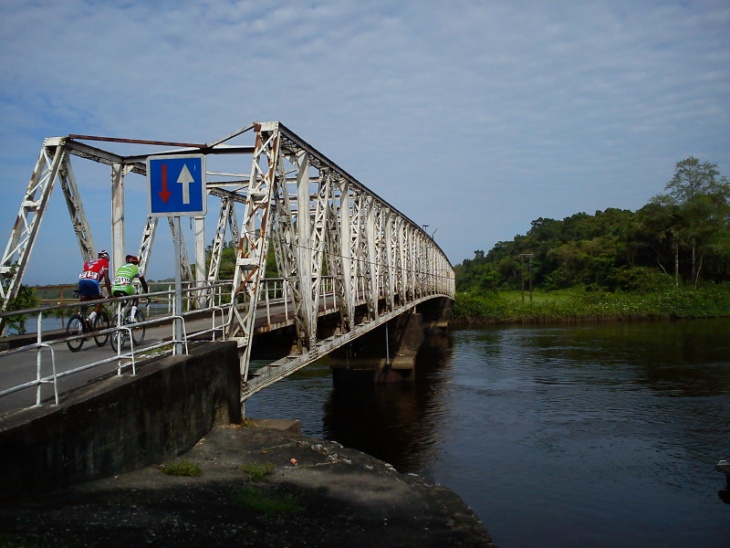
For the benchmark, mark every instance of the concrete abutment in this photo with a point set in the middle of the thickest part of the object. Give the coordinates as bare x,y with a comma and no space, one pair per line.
120,424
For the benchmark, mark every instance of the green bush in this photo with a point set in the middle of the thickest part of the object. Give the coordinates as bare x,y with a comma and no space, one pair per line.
26,299
592,303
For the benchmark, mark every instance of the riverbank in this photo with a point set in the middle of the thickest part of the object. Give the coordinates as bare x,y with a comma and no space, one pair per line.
584,305
257,486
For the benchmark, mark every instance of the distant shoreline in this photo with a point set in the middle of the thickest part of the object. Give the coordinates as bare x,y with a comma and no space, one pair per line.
578,305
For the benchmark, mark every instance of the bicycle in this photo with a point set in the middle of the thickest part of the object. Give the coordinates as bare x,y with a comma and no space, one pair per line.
79,324
121,336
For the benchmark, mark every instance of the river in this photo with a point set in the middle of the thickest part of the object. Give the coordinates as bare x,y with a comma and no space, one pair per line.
590,435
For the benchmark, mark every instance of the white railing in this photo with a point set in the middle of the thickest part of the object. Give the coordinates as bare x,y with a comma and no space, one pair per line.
46,342
211,301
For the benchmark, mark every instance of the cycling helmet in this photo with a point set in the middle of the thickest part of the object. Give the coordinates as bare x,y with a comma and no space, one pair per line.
103,254
131,259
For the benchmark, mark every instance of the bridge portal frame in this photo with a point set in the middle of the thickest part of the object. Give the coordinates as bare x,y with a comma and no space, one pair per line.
54,164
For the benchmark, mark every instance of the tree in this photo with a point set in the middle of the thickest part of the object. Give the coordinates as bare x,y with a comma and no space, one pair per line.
25,299
702,200
652,235
618,249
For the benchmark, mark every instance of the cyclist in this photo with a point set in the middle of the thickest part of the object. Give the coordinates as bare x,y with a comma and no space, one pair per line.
95,271
124,282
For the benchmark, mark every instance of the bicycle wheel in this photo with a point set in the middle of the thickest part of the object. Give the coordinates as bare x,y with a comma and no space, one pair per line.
138,331
117,337
101,322
75,327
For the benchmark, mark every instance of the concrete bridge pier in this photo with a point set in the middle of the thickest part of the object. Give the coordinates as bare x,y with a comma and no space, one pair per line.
385,354
388,354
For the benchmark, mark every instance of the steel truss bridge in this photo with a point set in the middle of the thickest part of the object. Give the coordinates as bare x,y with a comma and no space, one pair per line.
315,220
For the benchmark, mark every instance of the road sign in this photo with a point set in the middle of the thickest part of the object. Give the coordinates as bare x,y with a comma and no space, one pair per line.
176,185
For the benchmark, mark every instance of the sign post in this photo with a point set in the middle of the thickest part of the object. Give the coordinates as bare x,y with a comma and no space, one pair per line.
177,188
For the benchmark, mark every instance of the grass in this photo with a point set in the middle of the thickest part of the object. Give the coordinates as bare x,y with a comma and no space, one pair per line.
255,498
257,471
578,304
182,468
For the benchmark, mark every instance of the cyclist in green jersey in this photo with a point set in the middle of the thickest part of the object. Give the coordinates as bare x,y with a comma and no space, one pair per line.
124,281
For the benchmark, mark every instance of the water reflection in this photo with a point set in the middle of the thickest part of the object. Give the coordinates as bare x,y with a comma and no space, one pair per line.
395,422
602,435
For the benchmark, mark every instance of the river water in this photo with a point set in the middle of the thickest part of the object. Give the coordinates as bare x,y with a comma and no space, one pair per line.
591,435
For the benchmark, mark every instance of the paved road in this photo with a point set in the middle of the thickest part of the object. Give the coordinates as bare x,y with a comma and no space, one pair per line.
19,368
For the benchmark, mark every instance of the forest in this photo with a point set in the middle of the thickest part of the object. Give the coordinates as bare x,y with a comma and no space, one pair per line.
681,237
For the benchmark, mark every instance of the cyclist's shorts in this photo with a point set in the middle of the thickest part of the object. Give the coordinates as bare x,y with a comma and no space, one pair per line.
89,288
121,290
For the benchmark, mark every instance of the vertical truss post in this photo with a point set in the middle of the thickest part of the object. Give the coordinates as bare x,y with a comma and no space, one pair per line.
371,258
334,258
379,256
224,219
391,256
323,212
200,274
401,277
413,263
254,240
119,246
357,249
420,266
345,251
318,240
187,272
284,239
306,324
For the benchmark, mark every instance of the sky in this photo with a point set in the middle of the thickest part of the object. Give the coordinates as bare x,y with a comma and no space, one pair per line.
474,117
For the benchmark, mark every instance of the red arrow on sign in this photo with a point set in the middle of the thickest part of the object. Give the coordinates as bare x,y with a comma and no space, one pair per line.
164,193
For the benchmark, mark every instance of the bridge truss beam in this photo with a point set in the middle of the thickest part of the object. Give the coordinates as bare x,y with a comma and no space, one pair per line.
321,221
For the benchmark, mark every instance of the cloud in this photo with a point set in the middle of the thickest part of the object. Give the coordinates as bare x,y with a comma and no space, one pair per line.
473,117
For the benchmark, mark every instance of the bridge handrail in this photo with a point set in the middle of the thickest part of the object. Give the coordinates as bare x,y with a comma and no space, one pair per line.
122,359
275,291
76,303
192,287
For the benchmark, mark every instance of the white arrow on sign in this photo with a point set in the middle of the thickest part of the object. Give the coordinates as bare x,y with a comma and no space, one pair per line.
185,179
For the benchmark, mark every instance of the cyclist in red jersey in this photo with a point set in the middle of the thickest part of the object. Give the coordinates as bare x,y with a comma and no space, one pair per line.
95,271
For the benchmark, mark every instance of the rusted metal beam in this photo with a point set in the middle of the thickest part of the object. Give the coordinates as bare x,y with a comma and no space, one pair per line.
135,141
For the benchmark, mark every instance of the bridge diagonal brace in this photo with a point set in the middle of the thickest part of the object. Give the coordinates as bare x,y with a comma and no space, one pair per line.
76,210
30,214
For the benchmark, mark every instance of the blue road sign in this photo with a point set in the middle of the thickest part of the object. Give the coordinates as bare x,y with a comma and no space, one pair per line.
176,185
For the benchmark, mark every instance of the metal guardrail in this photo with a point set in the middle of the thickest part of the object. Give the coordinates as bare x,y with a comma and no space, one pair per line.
197,300
205,298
